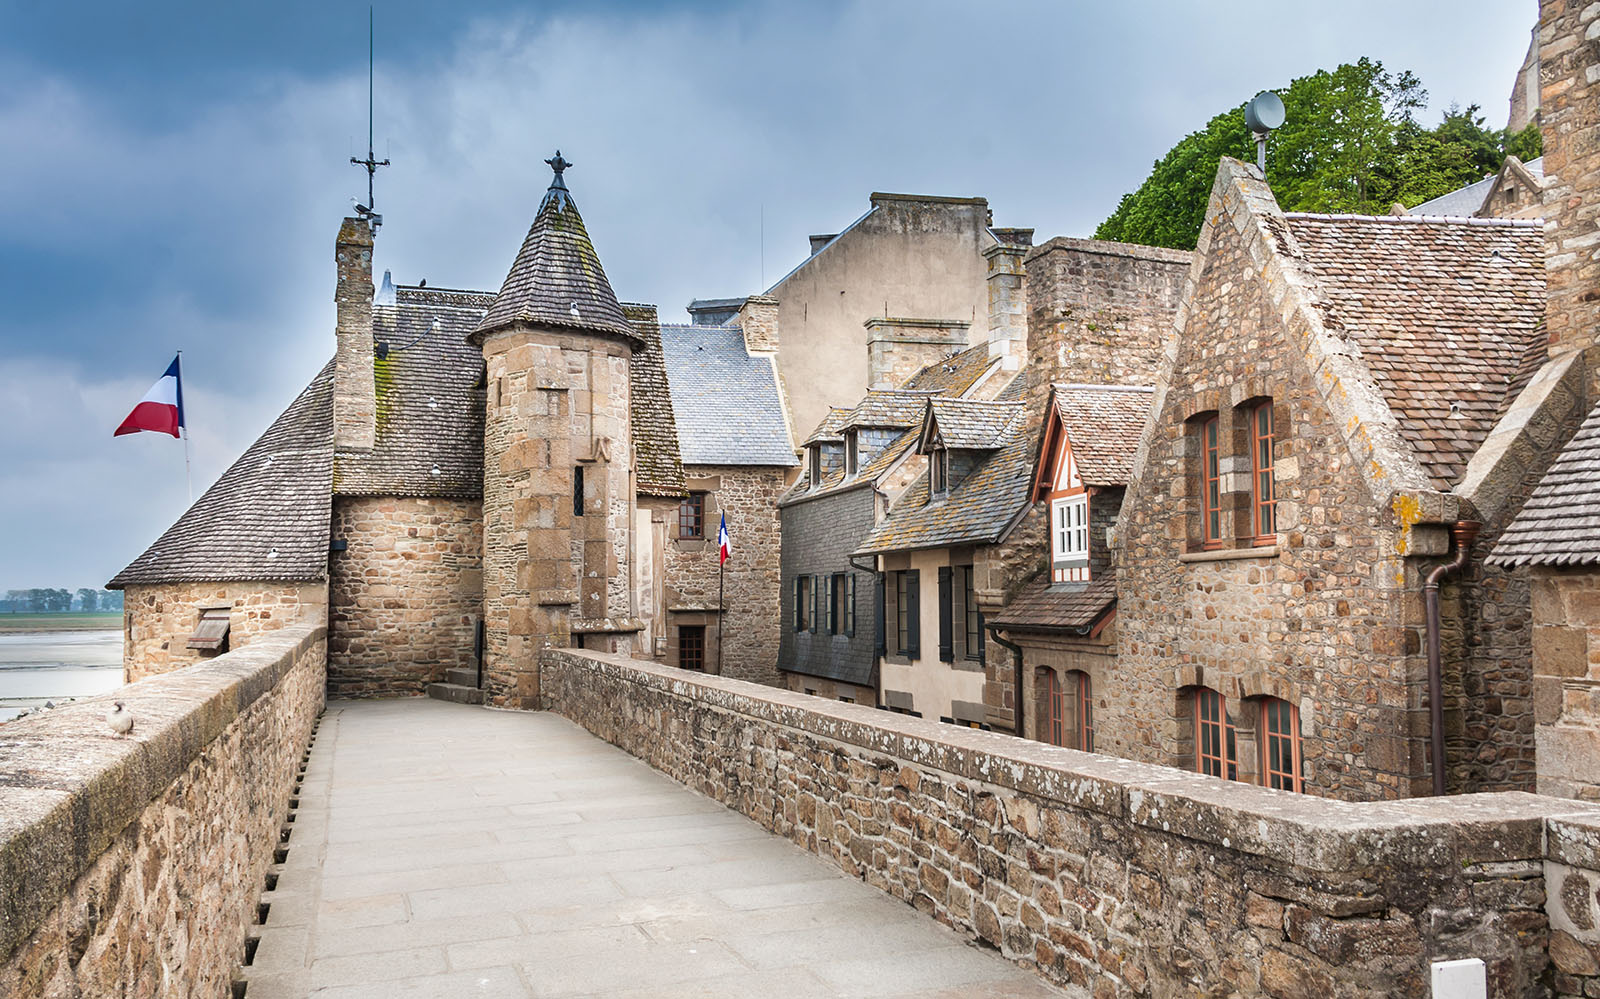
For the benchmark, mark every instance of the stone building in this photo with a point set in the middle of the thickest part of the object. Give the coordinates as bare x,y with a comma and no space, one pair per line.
954,543
1515,191
1308,456
917,256
733,436
1060,624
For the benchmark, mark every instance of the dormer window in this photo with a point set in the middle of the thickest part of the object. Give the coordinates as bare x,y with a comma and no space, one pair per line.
939,471
816,465
852,454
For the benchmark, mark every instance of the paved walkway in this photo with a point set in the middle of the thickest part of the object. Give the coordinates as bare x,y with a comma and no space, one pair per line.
445,850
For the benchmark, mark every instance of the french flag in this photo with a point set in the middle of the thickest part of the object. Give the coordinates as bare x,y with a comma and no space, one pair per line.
161,409
724,548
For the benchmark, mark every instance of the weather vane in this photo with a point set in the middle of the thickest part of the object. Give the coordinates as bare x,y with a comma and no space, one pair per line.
372,163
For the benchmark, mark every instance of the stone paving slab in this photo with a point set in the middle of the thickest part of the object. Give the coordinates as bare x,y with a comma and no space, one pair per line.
442,850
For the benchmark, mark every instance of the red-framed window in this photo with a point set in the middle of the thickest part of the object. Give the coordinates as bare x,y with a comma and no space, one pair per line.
1058,710
692,646
1280,745
1263,492
1085,711
1210,485
1215,750
692,516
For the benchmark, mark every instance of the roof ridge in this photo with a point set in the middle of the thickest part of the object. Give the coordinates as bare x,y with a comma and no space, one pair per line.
1102,388
1420,219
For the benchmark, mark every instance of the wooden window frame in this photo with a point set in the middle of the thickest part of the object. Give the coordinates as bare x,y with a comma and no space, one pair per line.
939,472
804,603
692,517
1057,705
852,453
1085,698
1210,430
1263,487
1280,730
850,604
1225,759
692,646
814,465
902,613
972,619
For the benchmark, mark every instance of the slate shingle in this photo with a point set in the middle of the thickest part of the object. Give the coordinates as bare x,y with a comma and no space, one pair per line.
1560,523
727,403
1443,310
1046,606
955,374
1103,424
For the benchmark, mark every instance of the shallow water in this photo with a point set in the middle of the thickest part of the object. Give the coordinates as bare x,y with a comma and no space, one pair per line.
56,665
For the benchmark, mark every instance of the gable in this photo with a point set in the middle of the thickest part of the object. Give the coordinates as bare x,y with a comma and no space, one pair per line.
1067,468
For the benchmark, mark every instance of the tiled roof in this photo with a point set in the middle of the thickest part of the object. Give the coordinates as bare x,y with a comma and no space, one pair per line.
953,375
831,427
1560,523
888,408
1464,202
728,408
975,424
653,425
267,516
556,279
1043,606
429,439
1103,424
978,509
1445,312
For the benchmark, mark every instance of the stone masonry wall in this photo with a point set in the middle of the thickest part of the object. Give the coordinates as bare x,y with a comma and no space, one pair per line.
750,598
158,620
405,595
131,866
1566,680
557,402
1098,312
1114,878
1569,75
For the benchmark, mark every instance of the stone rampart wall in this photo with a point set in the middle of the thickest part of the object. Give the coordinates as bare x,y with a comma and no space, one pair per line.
131,866
157,620
1116,878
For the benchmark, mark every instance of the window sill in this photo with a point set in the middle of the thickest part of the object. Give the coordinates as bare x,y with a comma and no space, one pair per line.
1229,554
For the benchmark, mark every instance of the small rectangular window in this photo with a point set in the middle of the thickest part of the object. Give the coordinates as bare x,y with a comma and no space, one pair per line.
692,516
1280,745
692,646
816,464
577,491
804,603
1057,710
1210,485
1214,741
1070,530
211,634
939,471
1264,490
852,454
850,604
902,617
837,614
1085,714
972,619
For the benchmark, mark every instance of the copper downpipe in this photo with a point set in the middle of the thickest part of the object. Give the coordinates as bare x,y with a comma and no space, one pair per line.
1464,532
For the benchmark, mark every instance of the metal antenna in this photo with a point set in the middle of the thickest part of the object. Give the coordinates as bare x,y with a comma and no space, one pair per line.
372,163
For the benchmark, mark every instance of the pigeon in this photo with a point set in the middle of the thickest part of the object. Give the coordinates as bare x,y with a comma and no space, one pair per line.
120,719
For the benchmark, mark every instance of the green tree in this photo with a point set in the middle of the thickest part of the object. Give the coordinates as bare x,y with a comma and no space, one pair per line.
88,600
1350,142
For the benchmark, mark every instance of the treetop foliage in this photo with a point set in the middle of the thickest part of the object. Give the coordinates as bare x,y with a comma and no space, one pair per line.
1350,143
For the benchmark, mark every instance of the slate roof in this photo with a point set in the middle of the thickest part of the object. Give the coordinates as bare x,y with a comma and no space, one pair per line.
973,424
556,278
1444,311
955,374
267,516
1103,424
653,425
832,426
1045,606
728,408
979,509
429,439
1464,202
888,408
1560,523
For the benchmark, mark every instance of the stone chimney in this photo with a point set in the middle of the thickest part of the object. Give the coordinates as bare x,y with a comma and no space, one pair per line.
759,319
355,404
898,348
1008,301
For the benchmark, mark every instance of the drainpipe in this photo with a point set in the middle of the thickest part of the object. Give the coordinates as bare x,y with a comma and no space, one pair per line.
1464,531
1016,655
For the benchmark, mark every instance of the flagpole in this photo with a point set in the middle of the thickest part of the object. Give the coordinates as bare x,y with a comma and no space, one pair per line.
721,611
183,431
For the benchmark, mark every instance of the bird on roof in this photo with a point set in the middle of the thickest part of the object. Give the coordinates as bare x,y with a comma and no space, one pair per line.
120,719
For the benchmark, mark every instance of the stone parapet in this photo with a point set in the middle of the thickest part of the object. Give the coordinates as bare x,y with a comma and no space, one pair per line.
1131,878
131,866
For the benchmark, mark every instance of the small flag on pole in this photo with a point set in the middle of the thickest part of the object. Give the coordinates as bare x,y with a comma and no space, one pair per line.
161,409
722,540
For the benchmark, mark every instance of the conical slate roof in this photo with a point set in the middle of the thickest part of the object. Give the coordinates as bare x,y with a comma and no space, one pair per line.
557,279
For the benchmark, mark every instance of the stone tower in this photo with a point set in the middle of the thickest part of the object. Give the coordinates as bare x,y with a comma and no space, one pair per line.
558,491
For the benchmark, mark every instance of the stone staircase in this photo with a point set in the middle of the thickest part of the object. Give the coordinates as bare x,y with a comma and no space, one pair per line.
460,686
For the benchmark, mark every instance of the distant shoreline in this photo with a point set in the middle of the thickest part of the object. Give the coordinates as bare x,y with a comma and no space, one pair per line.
15,624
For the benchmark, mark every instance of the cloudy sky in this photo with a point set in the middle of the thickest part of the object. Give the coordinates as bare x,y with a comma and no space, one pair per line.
173,174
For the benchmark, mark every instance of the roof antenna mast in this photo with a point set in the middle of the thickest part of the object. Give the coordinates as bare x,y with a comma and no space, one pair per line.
368,211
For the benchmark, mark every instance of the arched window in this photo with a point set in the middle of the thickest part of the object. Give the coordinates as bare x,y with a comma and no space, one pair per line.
1279,738
1215,745
1263,491
1085,733
1071,712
